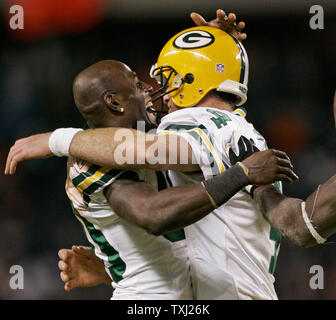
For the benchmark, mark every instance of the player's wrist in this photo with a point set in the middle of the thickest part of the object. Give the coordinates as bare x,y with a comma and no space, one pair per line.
222,187
257,191
60,140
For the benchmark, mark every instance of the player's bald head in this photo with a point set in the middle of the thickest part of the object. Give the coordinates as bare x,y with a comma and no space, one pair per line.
90,84
109,94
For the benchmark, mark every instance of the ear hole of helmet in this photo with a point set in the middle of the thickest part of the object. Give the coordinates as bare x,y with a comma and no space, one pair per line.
189,78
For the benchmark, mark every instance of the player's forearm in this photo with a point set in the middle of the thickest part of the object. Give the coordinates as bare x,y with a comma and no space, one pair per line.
122,148
100,146
158,212
285,214
176,208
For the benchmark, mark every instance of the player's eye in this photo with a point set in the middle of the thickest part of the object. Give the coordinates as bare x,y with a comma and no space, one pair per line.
140,85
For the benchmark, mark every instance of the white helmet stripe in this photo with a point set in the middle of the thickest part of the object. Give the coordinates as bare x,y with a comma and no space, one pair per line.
244,62
246,73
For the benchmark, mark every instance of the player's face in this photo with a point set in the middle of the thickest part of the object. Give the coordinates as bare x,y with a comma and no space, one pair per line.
144,101
169,103
136,98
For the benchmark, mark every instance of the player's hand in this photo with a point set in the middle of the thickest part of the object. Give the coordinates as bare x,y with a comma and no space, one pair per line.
81,268
264,167
33,147
224,22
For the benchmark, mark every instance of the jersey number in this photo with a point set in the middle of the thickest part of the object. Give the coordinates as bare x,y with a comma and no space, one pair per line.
220,120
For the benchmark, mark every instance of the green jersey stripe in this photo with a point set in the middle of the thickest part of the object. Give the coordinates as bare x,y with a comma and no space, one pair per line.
118,266
91,188
84,175
101,181
174,236
177,127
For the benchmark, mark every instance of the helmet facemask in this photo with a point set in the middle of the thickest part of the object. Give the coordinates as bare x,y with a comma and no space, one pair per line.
158,73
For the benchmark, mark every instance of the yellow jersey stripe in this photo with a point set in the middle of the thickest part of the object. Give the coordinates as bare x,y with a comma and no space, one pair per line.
211,148
93,178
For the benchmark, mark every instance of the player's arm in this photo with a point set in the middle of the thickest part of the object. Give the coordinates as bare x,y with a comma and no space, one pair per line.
117,148
174,208
110,146
158,212
286,214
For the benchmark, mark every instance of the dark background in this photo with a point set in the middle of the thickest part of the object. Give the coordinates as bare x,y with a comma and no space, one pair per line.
291,87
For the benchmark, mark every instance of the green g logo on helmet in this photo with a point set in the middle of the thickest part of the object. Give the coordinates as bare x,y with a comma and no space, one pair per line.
193,40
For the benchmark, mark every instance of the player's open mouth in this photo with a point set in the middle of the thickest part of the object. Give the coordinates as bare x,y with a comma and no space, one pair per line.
150,113
149,104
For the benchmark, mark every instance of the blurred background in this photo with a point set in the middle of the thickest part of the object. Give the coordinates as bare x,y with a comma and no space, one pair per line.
291,87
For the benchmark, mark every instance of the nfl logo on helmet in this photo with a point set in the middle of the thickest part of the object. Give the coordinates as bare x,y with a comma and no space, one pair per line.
219,67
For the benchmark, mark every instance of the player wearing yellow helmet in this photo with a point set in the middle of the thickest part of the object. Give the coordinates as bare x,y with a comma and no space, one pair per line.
234,250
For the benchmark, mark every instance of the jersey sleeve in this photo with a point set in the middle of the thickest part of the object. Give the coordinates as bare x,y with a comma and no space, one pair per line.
86,182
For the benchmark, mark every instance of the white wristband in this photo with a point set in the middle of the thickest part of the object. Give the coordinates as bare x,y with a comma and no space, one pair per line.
60,140
309,225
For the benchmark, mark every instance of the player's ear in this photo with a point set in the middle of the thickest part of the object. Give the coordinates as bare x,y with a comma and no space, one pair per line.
113,102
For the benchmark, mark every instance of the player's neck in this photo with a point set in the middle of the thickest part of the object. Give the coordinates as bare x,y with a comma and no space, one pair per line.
214,102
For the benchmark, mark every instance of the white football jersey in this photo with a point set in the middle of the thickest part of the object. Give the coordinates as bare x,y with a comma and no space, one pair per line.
141,265
233,250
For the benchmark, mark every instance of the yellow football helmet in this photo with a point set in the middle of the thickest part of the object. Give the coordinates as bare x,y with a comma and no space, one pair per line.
200,59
